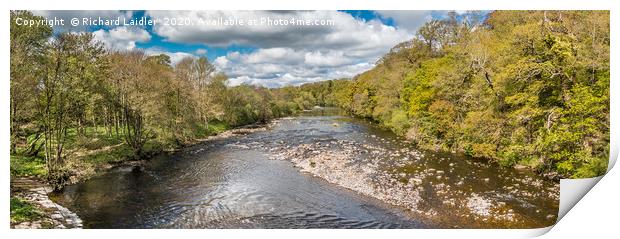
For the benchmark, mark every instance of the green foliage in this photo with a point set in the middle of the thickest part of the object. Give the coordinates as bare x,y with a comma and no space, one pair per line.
399,122
591,167
28,166
523,87
23,211
483,150
76,106
419,91
27,50
515,154
216,128
115,154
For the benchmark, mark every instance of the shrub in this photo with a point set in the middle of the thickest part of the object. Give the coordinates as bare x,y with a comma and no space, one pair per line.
483,151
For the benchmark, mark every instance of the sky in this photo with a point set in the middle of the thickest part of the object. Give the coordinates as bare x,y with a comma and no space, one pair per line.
263,53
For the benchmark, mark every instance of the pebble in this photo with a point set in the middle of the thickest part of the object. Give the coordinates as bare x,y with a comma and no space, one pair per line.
416,180
335,162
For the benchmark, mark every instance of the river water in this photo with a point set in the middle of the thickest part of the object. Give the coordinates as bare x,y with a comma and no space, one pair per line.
318,170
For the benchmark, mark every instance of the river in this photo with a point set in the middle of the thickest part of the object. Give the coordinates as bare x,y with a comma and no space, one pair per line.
321,169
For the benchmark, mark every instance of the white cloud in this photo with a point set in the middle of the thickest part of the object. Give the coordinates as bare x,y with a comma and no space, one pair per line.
118,38
273,55
288,54
331,58
283,54
221,62
122,38
275,67
201,51
409,20
413,20
175,57
359,37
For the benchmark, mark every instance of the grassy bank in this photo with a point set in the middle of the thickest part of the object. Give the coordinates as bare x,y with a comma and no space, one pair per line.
23,211
95,149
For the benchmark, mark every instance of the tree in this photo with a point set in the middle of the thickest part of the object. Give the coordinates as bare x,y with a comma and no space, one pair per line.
28,48
134,96
523,87
72,64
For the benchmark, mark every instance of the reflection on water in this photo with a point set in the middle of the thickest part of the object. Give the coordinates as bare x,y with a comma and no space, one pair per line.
233,183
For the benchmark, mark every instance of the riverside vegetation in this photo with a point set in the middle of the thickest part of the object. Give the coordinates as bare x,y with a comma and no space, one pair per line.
521,88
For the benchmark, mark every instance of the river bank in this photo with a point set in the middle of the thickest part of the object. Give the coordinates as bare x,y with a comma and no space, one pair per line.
247,182
29,192
431,185
29,198
338,162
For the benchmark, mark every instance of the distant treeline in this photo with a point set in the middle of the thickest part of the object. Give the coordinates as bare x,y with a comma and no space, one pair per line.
528,88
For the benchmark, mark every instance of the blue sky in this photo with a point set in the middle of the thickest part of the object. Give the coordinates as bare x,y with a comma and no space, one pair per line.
214,52
266,55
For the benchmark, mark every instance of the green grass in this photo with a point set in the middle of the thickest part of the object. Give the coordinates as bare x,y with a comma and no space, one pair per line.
93,138
96,149
217,127
28,166
114,155
214,127
23,211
